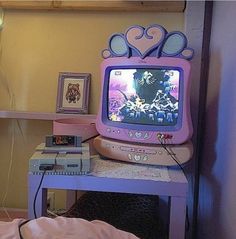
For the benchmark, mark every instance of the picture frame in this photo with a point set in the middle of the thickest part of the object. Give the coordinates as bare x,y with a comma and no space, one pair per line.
73,92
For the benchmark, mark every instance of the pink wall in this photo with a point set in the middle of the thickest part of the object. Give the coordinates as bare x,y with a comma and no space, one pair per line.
217,198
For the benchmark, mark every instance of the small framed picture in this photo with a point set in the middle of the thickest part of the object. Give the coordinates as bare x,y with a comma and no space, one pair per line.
73,92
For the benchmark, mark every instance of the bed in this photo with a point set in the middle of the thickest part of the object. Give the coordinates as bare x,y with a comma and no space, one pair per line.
60,227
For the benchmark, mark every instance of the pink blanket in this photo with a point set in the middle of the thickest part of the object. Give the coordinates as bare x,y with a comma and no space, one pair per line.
61,227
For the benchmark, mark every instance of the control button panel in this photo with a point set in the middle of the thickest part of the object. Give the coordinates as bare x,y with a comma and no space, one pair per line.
137,157
143,135
139,135
139,150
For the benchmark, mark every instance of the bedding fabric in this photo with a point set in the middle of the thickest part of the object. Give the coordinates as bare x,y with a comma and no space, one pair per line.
61,227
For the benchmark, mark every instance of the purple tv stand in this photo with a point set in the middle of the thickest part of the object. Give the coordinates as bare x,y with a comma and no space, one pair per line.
176,190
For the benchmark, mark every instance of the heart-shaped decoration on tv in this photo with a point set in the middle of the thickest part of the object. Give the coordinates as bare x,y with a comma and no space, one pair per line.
145,40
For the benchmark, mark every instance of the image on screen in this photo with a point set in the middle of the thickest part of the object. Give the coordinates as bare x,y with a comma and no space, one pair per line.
144,96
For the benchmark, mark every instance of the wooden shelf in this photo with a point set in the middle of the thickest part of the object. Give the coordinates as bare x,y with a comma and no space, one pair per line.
41,115
115,5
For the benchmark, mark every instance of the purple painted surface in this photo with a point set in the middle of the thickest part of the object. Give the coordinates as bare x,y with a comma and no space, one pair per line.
217,207
177,217
176,189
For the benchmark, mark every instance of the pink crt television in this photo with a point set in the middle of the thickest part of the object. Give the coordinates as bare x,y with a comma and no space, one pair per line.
145,97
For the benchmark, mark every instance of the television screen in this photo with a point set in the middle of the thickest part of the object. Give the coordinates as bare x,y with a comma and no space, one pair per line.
148,96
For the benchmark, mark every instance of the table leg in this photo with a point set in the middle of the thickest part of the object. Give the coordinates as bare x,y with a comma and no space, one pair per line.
177,217
70,198
41,200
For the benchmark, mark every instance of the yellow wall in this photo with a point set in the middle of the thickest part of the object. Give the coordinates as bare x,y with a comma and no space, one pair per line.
35,47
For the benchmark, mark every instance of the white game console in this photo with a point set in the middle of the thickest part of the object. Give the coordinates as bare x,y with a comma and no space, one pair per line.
60,160
166,155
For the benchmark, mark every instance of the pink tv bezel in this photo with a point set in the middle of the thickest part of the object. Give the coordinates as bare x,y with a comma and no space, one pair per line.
145,133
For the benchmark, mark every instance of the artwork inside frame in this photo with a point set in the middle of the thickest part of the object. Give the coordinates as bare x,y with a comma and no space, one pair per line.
73,92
